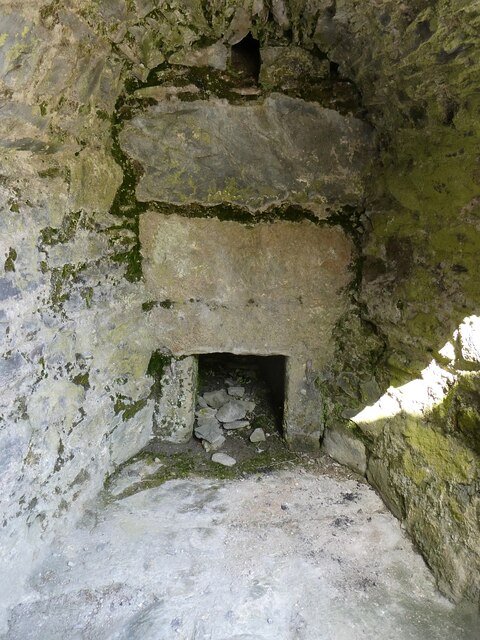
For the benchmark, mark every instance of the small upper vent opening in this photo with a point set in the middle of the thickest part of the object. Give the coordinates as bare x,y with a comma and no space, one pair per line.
246,60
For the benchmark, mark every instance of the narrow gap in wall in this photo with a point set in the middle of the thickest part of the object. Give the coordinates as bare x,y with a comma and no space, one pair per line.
261,377
246,60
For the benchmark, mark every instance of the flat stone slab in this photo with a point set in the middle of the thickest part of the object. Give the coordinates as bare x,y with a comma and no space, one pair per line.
216,399
213,446
258,435
207,420
232,411
256,155
237,392
223,458
238,424
206,412
212,433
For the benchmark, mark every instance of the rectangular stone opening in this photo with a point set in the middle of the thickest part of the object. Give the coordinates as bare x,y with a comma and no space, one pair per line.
260,379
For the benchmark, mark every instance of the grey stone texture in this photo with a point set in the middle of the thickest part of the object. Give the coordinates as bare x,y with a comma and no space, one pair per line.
224,459
175,408
345,448
231,411
216,399
281,150
76,398
289,276
257,435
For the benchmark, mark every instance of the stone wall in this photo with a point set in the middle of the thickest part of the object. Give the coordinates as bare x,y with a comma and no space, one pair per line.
76,344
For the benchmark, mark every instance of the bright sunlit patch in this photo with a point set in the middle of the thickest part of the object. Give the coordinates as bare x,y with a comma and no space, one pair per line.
421,395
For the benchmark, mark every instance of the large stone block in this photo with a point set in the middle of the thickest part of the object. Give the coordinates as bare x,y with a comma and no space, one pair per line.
267,289
174,411
281,150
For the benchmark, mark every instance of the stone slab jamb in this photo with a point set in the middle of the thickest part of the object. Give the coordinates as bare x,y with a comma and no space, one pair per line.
175,409
302,423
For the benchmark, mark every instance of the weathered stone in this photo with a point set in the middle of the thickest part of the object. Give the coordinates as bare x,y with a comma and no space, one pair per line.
206,412
271,258
213,446
211,432
210,154
77,322
207,315
237,392
7,289
213,56
231,411
207,420
288,67
165,93
238,424
257,435
174,412
224,459
343,447
216,399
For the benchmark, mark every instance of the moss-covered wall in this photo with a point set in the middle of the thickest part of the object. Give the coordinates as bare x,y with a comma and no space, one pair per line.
76,341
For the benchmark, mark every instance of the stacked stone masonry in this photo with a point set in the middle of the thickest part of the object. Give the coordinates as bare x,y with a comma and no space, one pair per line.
377,200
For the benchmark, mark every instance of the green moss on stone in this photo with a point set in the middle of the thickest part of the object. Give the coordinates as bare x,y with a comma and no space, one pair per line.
10,261
82,379
126,408
148,306
50,236
447,459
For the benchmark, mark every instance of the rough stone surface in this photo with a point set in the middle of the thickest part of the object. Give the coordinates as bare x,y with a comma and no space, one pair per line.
77,326
213,56
283,150
175,408
204,420
231,411
263,285
216,399
238,424
468,344
224,459
211,432
257,435
224,560
237,392
343,447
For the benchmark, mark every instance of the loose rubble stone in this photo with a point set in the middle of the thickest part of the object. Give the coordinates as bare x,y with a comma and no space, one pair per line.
202,403
238,424
223,458
216,399
213,446
206,412
248,404
207,420
231,411
258,435
209,432
237,392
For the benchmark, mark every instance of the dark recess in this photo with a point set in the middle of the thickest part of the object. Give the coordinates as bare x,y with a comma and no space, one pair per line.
265,373
246,60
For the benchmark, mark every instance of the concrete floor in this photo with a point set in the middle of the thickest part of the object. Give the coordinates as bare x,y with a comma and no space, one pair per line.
291,554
